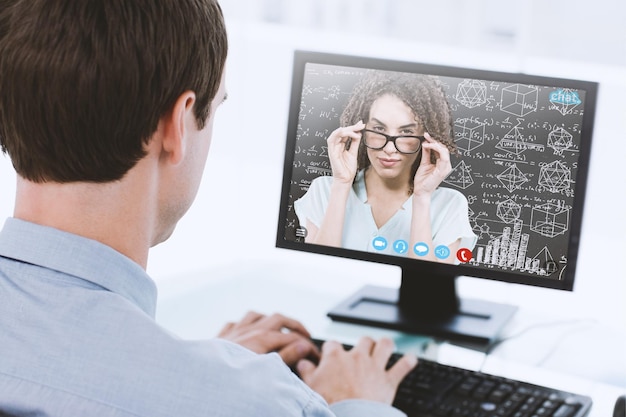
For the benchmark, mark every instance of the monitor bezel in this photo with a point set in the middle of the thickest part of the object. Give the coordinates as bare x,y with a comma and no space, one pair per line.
301,58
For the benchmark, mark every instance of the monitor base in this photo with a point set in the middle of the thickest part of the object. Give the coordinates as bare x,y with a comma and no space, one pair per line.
476,321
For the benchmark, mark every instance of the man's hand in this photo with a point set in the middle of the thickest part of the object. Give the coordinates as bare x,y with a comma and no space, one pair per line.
357,373
275,333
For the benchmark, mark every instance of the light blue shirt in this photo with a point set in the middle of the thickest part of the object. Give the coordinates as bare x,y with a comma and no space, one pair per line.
78,338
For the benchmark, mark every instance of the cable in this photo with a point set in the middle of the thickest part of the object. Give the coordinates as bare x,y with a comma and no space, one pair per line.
562,338
492,347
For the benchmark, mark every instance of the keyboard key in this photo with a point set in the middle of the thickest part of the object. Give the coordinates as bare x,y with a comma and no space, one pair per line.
565,410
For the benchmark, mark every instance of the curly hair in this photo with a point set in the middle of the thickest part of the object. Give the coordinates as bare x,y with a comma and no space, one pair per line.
423,94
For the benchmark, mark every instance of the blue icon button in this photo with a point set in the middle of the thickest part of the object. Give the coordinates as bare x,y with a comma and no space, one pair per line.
442,251
379,243
420,249
400,246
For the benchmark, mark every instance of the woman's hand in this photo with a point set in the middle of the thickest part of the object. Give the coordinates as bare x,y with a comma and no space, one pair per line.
430,174
343,147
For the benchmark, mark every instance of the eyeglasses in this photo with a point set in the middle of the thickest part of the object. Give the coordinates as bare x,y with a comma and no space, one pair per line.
404,144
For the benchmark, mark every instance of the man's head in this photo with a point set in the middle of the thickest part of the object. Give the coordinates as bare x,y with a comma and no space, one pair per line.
85,82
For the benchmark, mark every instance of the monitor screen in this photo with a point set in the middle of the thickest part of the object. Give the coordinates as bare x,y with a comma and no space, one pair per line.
444,171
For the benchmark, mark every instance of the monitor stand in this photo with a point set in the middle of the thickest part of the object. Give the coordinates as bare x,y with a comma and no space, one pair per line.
428,306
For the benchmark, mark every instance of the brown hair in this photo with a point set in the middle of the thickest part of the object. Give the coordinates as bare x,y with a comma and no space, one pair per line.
85,82
422,93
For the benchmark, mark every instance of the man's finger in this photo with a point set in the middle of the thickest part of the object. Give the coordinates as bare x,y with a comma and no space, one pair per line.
331,347
278,322
365,345
382,351
401,368
227,328
250,317
274,341
295,351
305,368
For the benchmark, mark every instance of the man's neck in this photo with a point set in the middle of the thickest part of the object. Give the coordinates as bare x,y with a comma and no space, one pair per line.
112,213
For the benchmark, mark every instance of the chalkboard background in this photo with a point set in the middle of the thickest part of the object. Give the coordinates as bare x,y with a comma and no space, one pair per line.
518,151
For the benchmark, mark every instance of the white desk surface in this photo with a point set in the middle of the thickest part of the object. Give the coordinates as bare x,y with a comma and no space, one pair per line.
576,355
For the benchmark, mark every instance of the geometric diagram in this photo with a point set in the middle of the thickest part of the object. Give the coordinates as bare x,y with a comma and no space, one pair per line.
510,250
481,230
543,263
460,176
513,142
333,92
469,134
471,93
519,99
512,178
560,140
518,246
564,100
507,250
549,219
306,90
555,177
508,211
492,251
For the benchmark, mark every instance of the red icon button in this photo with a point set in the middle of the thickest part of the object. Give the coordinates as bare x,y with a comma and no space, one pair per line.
464,255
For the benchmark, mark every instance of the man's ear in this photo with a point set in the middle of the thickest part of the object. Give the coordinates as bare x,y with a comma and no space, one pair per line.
175,126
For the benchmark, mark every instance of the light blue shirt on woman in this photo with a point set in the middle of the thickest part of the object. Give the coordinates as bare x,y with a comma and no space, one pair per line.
448,218
78,338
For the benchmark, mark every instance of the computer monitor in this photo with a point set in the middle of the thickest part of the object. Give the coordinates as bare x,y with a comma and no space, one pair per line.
510,208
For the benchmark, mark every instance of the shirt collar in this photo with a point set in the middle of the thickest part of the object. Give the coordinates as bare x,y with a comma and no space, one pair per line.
79,257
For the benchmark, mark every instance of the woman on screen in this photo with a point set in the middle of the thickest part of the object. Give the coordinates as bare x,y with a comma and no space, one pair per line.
387,162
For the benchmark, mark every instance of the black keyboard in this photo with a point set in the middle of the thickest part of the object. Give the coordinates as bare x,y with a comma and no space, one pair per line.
436,390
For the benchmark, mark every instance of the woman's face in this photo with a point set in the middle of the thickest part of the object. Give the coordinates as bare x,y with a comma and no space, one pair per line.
392,116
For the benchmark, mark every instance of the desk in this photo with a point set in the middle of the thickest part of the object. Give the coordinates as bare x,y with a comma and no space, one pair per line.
197,305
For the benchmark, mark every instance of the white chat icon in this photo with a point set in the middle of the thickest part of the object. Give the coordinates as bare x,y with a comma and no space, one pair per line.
420,249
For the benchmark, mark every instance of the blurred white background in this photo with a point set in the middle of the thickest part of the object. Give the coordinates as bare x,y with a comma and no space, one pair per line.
577,30
234,219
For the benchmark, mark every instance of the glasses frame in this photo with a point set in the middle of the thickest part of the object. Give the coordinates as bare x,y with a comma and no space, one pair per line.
392,139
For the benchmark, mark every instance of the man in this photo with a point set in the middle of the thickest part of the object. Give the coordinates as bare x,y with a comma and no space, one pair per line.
106,111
